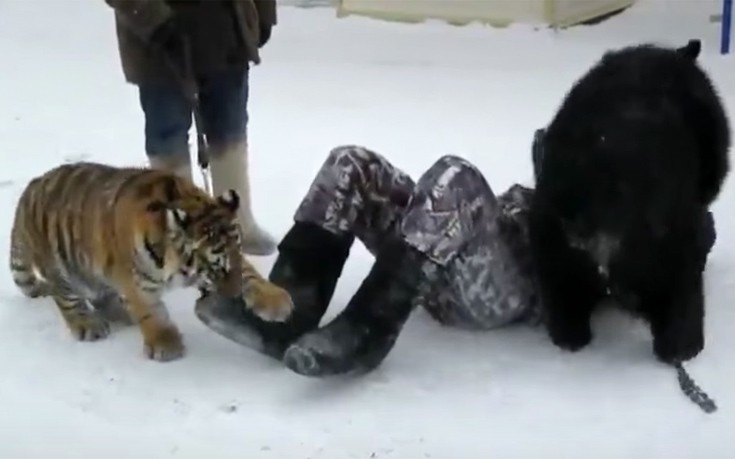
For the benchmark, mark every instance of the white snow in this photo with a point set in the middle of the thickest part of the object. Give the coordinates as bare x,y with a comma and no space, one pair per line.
413,93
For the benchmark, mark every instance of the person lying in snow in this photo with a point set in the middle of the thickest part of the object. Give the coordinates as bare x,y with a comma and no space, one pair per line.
445,242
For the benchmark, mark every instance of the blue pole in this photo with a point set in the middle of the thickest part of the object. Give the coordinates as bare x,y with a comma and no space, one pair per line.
726,21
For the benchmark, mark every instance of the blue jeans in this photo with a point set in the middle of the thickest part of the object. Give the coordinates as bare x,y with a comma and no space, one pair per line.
223,101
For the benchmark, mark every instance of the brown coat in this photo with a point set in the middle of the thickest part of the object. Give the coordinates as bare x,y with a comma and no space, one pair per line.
223,33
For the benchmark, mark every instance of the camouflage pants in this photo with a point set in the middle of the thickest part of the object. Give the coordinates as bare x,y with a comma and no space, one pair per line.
478,269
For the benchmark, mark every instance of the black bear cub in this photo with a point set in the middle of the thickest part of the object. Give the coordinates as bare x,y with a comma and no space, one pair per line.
626,172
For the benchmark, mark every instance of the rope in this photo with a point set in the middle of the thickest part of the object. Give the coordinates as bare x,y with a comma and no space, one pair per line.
190,89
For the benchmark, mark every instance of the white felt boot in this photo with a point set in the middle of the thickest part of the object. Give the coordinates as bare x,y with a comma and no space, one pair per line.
229,168
179,164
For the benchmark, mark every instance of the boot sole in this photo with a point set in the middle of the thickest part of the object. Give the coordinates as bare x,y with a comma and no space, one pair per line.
301,361
224,317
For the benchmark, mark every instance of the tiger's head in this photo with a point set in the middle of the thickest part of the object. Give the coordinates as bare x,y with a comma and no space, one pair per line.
205,238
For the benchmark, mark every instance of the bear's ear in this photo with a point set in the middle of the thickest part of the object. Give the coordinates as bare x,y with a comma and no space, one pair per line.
230,200
692,49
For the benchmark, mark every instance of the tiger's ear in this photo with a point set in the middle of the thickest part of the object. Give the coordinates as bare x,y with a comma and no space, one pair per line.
176,218
230,200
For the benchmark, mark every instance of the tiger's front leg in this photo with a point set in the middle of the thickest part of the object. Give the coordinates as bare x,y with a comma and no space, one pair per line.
267,300
162,340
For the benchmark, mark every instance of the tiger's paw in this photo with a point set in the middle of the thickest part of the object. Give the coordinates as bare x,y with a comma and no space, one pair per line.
165,345
89,327
269,302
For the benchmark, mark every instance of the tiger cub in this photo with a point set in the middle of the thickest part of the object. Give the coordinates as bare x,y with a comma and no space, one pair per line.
106,242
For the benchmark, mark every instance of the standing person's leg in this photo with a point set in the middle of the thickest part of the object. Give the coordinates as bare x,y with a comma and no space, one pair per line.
449,255
356,193
224,105
168,118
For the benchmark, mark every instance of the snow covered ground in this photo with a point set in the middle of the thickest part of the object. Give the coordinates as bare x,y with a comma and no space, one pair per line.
412,92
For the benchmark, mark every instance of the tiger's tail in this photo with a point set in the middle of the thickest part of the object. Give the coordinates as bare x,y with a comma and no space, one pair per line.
24,276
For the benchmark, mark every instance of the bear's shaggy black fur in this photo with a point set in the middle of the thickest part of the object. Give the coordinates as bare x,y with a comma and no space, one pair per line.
631,162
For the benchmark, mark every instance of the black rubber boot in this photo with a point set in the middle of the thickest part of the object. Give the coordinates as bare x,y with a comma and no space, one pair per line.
363,334
310,261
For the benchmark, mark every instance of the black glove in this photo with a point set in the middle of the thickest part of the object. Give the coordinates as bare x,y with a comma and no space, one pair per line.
265,34
169,42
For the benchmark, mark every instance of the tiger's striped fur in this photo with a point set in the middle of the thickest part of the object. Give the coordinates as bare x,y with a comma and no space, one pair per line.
104,241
